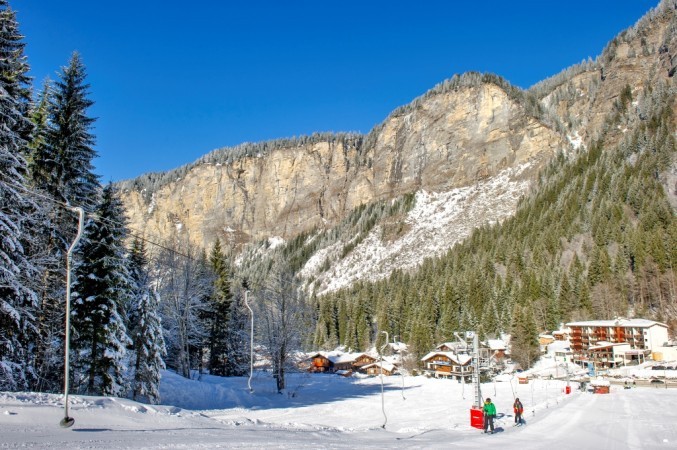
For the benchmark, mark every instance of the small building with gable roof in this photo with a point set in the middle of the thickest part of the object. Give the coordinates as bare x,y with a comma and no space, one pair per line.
448,365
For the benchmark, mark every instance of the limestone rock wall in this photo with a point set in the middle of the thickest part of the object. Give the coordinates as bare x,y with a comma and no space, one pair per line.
449,140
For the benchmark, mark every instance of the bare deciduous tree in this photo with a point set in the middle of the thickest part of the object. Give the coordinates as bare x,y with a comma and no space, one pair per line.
281,310
185,284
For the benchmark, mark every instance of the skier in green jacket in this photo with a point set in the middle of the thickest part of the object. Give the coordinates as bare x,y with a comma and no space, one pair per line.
489,414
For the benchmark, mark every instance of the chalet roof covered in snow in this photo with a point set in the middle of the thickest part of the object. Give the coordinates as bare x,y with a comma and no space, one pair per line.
641,323
460,359
559,346
454,345
338,357
496,344
398,346
386,366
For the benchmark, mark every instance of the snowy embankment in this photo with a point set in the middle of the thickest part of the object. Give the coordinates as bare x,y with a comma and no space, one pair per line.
333,412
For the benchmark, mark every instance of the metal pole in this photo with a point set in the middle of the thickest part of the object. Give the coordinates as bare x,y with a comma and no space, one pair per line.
383,405
251,339
476,369
68,421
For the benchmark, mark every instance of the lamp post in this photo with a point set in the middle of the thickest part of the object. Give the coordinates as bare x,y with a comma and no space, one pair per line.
68,421
245,286
383,405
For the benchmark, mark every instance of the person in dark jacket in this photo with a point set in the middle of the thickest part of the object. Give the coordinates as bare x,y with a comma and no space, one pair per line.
519,409
489,414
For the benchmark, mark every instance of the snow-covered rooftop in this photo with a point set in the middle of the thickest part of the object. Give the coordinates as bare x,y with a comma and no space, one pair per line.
559,346
600,382
641,323
459,358
496,344
386,366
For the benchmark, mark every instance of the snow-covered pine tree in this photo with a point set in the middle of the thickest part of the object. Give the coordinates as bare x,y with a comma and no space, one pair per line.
17,301
524,337
218,315
61,168
101,291
15,79
146,329
237,337
42,249
69,139
40,161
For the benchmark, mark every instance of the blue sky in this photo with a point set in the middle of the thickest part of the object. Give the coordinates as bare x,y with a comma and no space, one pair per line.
174,80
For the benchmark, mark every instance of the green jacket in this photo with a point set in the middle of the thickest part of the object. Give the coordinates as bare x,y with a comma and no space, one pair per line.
490,409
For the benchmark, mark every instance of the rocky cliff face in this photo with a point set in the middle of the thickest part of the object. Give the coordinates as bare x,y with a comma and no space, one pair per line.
468,149
639,58
447,140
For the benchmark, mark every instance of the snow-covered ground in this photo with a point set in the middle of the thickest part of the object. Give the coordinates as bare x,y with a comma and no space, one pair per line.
328,411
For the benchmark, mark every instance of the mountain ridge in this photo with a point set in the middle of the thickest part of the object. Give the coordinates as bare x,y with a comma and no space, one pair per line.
447,139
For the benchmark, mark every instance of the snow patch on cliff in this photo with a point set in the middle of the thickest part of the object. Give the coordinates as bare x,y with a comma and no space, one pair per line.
435,224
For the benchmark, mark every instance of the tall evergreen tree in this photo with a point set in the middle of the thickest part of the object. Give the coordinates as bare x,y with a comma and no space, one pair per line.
70,142
145,329
40,161
61,167
219,314
101,290
524,340
17,301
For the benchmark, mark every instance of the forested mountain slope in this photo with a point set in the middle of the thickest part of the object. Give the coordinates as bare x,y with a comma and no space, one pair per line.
596,239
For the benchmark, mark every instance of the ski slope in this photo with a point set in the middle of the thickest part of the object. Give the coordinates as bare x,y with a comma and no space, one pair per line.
327,411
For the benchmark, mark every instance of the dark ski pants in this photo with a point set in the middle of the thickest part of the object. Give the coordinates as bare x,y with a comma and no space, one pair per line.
488,423
518,418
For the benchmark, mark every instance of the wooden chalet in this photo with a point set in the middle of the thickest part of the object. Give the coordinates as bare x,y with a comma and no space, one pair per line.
447,365
320,363
338,362
497,349
561,335
375,368
362,360
544,340
454,347
351,361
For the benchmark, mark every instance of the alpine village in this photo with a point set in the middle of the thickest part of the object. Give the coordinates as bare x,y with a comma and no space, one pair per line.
479,231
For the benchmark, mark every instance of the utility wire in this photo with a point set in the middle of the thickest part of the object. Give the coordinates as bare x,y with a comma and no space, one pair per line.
131,231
